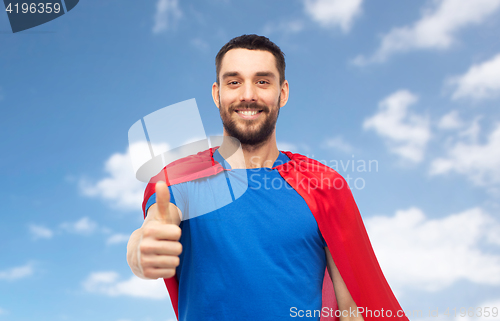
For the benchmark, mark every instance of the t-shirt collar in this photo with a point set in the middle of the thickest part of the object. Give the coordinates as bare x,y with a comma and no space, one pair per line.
282,159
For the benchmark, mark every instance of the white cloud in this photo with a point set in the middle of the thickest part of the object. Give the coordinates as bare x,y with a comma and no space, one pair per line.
285,27
481,81
121,189
471,133
200,44
338,143
108,283
40,232
83,226
15,273
286,146
167,15
298,147
117,239
436,29
450,121
405,133
417,252
334,13
479,162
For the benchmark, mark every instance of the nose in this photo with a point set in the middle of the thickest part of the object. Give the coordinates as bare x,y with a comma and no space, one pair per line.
248,93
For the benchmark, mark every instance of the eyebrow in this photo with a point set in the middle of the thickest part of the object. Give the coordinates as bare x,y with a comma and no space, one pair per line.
230,74
257,74
265,74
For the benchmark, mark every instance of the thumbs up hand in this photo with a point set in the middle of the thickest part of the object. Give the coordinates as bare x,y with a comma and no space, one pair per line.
162,214
153,250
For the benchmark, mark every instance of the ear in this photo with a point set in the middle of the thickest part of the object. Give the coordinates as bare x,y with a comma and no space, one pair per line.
284,93
215,94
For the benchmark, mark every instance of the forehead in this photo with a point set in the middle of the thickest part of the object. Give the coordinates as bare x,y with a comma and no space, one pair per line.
248,61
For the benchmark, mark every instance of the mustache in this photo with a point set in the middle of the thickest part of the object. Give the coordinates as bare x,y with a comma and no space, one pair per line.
252,106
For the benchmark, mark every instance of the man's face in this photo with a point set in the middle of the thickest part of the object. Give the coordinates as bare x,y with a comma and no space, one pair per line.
249,95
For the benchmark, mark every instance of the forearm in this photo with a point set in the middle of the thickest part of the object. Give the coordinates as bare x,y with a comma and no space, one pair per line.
350,313
346,305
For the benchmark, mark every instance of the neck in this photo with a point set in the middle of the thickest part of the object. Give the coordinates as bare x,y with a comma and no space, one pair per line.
249,156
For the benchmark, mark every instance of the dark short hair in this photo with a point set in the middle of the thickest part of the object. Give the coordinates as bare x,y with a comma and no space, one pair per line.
252,42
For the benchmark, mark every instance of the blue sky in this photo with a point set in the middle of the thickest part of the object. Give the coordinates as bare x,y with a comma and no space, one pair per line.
412,86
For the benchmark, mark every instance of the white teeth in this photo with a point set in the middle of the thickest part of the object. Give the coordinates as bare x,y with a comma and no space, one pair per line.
248,112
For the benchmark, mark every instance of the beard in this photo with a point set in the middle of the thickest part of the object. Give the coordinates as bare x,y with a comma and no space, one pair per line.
254,131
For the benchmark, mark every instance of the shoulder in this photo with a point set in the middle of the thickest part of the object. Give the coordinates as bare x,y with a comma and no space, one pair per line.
184,170
200,158
307,175
189,168
306,164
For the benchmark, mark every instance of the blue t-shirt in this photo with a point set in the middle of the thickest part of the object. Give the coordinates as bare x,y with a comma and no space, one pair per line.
255,255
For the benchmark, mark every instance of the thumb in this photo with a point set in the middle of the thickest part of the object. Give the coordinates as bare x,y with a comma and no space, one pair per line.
163,200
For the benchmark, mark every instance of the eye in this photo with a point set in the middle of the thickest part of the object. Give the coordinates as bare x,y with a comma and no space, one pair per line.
263,82
232,82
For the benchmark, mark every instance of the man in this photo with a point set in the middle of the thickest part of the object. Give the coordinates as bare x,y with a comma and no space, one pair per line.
261,256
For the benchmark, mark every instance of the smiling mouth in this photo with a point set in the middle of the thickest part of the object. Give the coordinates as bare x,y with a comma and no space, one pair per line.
247,112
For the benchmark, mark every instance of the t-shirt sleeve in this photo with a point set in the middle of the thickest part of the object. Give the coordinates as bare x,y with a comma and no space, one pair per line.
175,198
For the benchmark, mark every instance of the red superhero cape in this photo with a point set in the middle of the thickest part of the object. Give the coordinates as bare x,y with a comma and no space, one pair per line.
332,204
